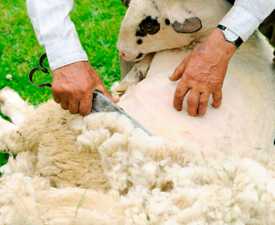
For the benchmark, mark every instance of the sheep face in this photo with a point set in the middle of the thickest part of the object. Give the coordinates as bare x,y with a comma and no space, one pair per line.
154,25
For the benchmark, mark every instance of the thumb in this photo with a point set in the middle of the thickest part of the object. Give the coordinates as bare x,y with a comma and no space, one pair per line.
180,69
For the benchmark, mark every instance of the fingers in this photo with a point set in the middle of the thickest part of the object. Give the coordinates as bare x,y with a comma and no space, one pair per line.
179,70
180,93
61,98
193,102
56,97
74,106
177,74
73,87
197,101
85,105
204,99
198,98
217,98
64,103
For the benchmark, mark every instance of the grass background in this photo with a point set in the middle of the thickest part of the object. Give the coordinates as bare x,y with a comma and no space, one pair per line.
97,23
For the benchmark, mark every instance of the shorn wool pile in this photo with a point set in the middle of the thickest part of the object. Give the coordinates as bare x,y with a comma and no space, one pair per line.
100,169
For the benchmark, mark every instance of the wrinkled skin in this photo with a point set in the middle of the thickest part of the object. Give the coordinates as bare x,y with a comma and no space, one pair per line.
201,74
73,86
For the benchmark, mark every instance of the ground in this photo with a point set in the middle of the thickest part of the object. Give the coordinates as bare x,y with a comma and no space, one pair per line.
97,23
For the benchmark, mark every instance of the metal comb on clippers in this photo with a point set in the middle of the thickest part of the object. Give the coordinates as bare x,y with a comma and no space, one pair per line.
103,104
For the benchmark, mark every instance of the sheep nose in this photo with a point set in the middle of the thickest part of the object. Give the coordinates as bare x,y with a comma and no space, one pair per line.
122,54
127,56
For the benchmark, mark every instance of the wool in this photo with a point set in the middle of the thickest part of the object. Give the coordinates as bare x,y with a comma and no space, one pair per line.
55,150
149,180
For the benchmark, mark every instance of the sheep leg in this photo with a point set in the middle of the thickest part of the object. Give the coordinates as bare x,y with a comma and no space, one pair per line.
13,106
137,73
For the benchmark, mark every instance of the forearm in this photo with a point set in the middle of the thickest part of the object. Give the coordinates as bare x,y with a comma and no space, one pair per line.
246,15
55,31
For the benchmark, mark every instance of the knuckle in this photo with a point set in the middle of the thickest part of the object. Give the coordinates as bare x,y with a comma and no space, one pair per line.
204,101
203,104
178,95
218,98
57,90
81,92
188,75
177,105
86,88
191,101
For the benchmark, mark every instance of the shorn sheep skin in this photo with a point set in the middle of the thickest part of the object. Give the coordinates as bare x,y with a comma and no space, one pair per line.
101,170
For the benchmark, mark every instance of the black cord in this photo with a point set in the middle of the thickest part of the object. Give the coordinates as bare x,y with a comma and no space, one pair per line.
41,68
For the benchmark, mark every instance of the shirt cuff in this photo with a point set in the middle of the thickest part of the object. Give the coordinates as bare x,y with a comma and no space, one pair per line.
65,51
241,22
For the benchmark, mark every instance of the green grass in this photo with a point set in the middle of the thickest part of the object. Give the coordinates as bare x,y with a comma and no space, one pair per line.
97,22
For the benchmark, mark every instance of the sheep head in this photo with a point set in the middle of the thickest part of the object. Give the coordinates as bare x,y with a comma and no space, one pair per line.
154,25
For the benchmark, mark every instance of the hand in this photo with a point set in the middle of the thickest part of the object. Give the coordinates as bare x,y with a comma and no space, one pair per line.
201,74
73,86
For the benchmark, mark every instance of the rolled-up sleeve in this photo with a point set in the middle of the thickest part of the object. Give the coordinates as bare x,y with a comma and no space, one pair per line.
55,31
246,15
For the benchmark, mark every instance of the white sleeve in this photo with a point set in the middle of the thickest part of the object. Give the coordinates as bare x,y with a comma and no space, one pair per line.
246,15
55,31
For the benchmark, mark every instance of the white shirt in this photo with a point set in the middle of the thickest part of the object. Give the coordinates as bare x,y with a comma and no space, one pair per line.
56,32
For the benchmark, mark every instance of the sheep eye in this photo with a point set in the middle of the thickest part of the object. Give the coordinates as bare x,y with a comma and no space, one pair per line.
148,26
139,41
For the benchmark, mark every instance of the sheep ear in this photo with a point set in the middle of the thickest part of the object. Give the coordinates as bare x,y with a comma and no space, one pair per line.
190,25
126,2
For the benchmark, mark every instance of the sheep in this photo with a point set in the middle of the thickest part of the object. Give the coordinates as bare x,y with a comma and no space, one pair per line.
247,91
153,26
